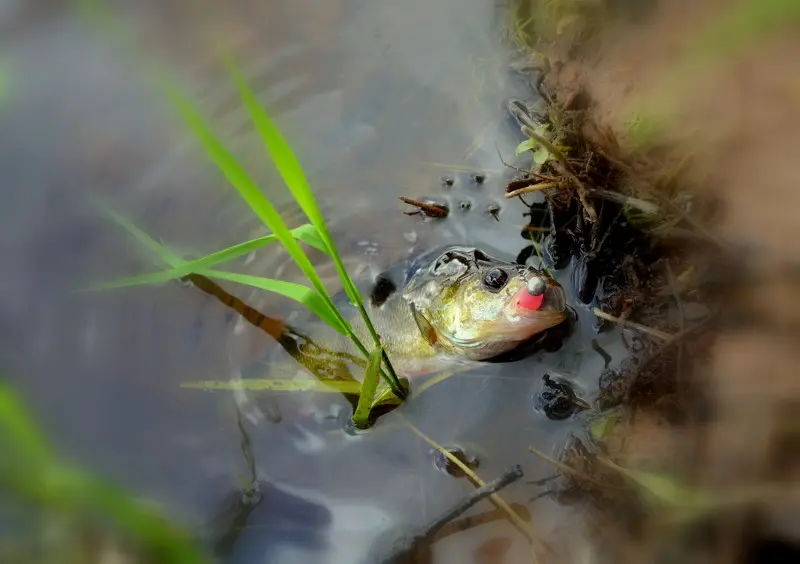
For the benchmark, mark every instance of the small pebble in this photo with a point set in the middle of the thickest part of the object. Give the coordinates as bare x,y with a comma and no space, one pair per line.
465,205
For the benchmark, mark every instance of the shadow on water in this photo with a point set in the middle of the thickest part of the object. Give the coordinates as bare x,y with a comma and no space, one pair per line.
379,100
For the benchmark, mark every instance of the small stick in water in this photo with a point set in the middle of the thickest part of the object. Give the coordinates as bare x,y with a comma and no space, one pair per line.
532,188
663,335
273,327
405,549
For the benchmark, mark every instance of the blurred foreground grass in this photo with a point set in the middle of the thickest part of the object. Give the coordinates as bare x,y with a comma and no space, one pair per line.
61,496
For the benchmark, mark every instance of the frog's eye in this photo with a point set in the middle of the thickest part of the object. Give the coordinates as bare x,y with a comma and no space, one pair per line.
495,280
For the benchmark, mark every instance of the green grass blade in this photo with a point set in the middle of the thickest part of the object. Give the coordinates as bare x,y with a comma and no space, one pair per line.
281,152
35,472
303,294
166,255
61,488
368,388
386,395
292,173
248,189
16,423
306,233
274,385
293,176
321,307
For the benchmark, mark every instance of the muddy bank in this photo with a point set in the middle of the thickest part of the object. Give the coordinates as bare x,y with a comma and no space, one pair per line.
697,105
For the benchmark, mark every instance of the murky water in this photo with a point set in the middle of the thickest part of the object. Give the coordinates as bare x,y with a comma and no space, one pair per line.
379,99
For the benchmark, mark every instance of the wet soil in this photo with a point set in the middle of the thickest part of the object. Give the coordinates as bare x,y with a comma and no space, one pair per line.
697,117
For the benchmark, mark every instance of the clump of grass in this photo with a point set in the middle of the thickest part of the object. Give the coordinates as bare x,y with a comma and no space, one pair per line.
33,472
316,298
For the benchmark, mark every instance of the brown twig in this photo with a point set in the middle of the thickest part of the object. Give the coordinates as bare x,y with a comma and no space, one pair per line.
523,182
274,327
532,188
567,469
428,209
580,188
664,336
515,519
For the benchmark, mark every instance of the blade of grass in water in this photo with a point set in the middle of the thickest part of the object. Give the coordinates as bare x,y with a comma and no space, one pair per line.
306,233
303,294
250,192
293,176
368,388
274,385
144,239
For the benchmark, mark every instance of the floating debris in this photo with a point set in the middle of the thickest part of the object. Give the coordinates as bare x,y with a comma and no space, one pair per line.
478,177
557,400
427,208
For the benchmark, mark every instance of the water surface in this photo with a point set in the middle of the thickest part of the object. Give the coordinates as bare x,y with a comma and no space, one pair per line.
379,99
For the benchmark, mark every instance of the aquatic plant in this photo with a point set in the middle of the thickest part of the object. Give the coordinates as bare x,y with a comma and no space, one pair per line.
316,234
32,471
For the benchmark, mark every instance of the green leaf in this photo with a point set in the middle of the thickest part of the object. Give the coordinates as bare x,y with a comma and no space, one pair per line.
526,145
660,487
59,487
324,309
665,489
274,385
541,155
34,471
144,239
17,423
368,388
386,396
307,296
250,192
600,428
292,173
306,233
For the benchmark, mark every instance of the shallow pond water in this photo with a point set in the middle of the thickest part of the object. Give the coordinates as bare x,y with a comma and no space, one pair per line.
379,99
